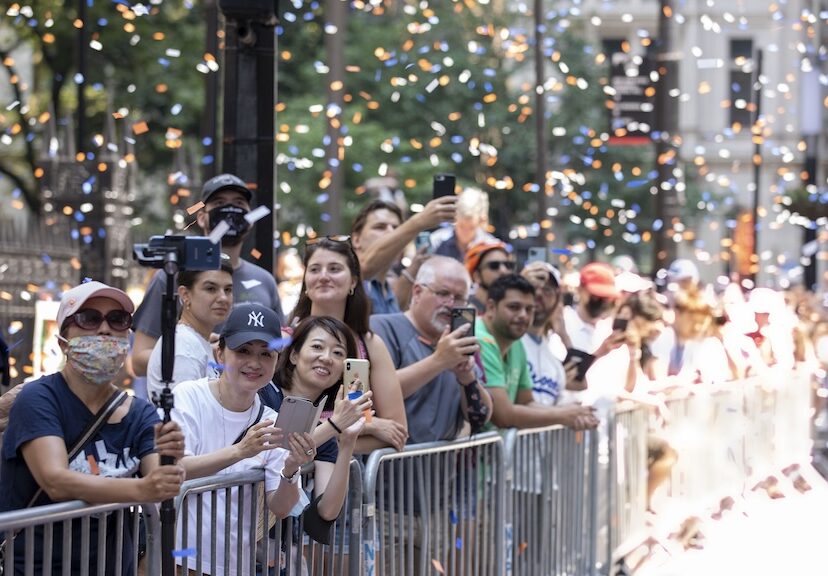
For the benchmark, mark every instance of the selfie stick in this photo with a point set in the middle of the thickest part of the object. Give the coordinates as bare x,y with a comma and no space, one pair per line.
165,401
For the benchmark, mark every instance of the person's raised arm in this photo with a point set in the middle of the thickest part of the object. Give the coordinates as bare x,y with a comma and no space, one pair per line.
382,255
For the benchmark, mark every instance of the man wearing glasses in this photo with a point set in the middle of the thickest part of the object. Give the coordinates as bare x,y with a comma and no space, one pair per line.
486,263
435,366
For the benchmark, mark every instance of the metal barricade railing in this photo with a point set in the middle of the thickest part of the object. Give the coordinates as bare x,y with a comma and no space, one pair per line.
72,538
435,506
253,540
550,501
625,492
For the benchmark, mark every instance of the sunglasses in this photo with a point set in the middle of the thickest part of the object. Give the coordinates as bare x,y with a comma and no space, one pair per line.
495,265
343,238
91,319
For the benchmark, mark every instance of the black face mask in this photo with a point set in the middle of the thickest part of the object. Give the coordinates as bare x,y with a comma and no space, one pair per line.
234,216
596,307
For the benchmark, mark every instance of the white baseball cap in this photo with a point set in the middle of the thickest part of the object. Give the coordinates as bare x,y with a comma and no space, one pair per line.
74,299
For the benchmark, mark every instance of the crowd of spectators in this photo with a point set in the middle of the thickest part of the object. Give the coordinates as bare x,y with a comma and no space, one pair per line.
552,344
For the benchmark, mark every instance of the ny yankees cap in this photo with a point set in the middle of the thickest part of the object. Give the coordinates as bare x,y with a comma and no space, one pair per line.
248,322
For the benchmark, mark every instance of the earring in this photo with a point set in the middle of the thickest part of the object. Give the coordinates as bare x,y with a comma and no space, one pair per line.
351,291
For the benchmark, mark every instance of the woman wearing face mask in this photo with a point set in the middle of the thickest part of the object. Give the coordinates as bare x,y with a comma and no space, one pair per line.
206,298
120,463
229,429
333,287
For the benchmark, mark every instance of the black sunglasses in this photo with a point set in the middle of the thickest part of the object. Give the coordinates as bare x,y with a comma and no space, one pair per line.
91,319
495,265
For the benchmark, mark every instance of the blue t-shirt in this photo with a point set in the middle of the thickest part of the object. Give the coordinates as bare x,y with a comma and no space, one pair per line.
272,396
48,407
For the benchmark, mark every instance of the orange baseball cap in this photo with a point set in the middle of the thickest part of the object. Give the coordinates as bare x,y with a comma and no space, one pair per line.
475,254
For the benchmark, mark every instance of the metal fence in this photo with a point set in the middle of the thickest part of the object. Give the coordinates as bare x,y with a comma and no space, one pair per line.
531,502
436,506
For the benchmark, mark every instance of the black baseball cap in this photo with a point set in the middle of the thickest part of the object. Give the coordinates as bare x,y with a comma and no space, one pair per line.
225,182
248,322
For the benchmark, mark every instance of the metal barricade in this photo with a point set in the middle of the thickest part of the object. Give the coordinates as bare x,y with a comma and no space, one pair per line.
435,506
72,538
550,501
626,488
254,538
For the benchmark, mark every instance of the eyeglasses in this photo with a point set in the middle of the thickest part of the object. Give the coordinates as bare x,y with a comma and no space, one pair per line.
446,296
91,319
343,238
495,265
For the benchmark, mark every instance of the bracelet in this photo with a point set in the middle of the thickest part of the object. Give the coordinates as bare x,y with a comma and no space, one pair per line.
292,479
407,275
334,426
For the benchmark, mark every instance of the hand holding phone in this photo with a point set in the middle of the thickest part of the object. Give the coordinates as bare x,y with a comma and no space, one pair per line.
583,359
298,416
536,254
620,324
423,240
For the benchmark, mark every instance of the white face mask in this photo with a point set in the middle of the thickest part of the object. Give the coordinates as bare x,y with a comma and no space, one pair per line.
98,358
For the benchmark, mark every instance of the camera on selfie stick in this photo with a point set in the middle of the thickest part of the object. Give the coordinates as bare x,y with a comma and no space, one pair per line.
173,254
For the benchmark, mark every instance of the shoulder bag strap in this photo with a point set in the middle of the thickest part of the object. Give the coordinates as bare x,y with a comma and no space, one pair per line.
91,429
256,421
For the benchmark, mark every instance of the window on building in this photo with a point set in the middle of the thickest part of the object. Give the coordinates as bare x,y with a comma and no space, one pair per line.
741,79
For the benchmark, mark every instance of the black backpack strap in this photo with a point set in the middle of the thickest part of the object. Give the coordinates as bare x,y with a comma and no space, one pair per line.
256,421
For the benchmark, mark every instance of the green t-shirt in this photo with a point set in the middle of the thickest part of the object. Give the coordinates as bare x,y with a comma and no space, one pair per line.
511,374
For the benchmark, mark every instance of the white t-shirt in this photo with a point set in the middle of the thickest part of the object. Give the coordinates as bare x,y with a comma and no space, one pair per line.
208,427
547,372
193,358
583,335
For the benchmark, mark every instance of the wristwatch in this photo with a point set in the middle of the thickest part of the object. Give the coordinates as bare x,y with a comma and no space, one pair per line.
292,479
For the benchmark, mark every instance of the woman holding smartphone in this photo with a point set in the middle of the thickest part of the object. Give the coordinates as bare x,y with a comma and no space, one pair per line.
228,429
333,286
311,367
206,298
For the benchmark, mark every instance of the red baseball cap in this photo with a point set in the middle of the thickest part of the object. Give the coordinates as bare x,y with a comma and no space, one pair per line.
599,280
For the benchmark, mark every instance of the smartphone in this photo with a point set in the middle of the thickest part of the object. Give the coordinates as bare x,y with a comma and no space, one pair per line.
423,239
443,185
536,254
583,359
463,316
620,324
357,368
298,415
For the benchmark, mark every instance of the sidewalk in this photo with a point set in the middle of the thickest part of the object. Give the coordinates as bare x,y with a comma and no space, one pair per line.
759,536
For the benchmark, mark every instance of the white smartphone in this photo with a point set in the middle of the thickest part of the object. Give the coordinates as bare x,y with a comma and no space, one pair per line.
298,415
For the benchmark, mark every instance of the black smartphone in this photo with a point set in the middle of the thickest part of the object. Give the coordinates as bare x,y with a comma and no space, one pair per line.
462,316
583,359
443,185
620,324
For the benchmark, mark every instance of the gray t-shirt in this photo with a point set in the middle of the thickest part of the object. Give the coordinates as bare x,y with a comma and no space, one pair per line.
251,283
434,411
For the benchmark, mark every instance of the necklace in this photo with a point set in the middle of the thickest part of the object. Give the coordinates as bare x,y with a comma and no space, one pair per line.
226,442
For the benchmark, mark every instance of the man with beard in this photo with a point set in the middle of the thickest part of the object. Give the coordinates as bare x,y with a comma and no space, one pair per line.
226,198
546,338
486,263
435,366
509,308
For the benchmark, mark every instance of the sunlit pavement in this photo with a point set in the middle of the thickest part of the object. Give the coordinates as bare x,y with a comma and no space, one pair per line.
758,536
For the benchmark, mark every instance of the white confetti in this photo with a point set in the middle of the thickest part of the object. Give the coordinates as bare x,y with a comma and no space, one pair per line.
218,232
255,215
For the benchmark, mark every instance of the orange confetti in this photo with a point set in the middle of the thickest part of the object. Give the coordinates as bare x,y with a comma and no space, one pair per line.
140,128
438,566
256,254
522,547
195,208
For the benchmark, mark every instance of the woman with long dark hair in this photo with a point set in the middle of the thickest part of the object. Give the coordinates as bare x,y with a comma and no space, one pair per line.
333,286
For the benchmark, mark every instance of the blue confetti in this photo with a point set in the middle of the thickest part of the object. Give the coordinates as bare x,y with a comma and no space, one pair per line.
279,343
453,517
184,553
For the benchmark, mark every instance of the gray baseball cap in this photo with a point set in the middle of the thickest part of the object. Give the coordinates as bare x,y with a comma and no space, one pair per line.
225,182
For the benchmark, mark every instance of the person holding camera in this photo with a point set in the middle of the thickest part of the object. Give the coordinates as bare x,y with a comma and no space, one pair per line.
435,361
225,198
73,435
